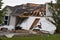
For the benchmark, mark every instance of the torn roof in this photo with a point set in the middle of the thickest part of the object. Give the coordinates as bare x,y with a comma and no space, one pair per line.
29,7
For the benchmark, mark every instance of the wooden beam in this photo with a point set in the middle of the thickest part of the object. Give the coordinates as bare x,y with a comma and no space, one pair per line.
33,13
22,16
34,23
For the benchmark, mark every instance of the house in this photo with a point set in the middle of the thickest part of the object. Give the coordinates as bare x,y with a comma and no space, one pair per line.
27,15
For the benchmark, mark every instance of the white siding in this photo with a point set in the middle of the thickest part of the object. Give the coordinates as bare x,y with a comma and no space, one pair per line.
48,13
27,24
8,12
12,20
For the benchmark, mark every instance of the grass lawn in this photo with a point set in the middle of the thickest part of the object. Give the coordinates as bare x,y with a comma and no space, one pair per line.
34,37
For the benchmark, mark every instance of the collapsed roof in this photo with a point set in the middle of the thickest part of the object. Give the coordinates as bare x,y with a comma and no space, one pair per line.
28,8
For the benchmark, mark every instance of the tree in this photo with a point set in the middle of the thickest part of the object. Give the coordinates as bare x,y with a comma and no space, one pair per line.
58,15
2,14
55,9
0,4
57,1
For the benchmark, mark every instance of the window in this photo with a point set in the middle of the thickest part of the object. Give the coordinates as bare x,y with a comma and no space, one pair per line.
6,20
6,17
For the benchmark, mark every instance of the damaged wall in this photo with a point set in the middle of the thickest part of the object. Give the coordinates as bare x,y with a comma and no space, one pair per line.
45,24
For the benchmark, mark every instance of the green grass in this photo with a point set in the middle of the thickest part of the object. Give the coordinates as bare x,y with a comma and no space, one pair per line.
34,37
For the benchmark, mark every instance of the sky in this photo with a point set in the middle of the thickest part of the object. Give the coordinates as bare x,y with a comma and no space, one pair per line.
19,2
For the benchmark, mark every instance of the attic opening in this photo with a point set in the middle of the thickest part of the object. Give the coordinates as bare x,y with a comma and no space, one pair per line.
38,14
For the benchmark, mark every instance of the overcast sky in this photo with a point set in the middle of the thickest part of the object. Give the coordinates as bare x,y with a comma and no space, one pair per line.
18,2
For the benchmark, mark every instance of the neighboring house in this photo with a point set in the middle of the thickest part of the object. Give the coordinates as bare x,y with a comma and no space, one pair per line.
27,15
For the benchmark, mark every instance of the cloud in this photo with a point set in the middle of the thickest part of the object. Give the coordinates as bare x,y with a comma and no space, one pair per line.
18,2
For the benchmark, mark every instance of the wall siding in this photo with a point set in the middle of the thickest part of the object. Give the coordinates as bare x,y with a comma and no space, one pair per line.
48,13
12,20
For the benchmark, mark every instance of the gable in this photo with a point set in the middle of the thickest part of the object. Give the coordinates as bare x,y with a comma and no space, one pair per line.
9,11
